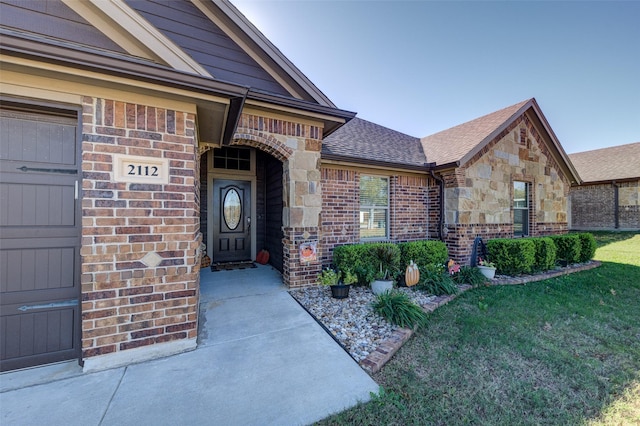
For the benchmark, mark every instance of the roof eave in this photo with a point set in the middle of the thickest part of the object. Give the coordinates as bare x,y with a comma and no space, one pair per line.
376,163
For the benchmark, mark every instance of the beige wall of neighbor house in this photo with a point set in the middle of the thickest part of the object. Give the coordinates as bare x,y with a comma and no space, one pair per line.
479,195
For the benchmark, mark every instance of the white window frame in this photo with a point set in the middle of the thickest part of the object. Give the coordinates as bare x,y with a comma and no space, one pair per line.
525,209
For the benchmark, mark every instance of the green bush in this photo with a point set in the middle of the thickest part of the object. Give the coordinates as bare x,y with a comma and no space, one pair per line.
568,247
398,309
587,247
469,275
424,252
435,280
362,260
512,256
545,257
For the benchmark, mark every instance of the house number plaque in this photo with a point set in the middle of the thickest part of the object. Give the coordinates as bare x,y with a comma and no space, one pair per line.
136,169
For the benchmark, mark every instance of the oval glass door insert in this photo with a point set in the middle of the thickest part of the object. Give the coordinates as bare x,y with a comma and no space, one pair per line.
232,209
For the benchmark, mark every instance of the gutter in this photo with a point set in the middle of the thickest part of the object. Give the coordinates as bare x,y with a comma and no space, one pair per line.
376,163
441,205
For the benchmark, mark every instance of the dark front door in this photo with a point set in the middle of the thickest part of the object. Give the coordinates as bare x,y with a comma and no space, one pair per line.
39,239
231,220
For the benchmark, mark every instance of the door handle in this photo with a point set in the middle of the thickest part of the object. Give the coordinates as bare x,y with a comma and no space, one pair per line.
248,223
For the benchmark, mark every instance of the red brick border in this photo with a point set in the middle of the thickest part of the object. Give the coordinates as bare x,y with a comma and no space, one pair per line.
387,349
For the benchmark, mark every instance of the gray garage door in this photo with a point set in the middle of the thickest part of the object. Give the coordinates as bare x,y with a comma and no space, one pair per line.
39,238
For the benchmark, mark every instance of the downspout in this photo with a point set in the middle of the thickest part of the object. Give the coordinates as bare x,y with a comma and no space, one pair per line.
616,213
441,205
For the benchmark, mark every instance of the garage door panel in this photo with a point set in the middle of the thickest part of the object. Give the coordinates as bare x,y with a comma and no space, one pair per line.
39,239
37,138
37,269
37,205
38,333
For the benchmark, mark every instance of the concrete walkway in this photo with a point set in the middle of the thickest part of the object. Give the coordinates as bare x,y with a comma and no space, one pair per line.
261,360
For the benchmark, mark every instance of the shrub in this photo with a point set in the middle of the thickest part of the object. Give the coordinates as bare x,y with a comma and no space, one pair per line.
545,257
398,309
587,246
424,252
434,280
512,257
363,261
568,247
469,275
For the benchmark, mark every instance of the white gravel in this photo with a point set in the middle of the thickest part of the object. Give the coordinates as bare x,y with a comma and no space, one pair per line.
352,321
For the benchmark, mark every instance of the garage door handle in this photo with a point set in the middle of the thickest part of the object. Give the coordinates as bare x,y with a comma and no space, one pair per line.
63,304
36,169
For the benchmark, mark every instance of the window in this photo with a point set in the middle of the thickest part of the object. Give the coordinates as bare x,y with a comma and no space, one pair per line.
232,158
374,207
520,209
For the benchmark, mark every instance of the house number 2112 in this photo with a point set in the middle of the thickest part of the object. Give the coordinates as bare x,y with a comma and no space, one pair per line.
140,170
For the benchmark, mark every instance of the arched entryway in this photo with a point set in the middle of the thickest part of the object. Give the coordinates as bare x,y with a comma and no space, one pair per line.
241,199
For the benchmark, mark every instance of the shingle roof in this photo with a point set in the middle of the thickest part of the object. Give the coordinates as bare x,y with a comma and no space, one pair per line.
451,145
617,162
363,140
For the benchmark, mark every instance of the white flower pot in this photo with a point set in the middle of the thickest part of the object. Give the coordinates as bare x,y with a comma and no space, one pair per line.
487,271
379,286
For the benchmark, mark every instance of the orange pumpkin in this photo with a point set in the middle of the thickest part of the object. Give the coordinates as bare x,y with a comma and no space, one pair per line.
412,274
263,257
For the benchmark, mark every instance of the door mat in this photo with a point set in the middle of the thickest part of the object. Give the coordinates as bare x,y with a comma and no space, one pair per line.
230,266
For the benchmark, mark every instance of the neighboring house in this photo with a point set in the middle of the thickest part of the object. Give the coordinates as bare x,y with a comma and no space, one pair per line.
132,131
609,197
109,113
501,175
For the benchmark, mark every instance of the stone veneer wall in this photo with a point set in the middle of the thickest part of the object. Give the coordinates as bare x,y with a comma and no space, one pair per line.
139,264
297,146
479,196
409,213
593,206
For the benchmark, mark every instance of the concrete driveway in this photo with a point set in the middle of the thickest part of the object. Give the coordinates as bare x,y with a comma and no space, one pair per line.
261,360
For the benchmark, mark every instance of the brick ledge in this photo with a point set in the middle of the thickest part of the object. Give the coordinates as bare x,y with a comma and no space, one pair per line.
387,349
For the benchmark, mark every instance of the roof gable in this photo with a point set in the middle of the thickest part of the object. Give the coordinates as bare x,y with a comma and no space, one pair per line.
459,144
608,164
363,140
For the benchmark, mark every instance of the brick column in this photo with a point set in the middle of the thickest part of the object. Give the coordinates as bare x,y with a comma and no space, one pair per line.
139,270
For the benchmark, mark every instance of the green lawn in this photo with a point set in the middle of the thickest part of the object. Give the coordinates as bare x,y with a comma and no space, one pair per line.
564,351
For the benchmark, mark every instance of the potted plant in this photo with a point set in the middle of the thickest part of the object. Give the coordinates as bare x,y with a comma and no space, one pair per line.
383,281
488,269
331,278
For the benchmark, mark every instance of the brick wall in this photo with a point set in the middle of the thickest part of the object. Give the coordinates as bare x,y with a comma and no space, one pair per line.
593,206
129,300
409,208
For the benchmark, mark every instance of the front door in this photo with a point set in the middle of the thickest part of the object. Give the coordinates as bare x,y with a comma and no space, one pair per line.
39,239
231,220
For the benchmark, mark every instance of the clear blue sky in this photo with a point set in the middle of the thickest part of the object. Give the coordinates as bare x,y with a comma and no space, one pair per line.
424,66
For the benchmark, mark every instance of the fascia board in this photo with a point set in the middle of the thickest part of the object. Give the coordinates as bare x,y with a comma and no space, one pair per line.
137,27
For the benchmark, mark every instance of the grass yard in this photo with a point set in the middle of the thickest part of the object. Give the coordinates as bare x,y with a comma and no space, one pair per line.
564,351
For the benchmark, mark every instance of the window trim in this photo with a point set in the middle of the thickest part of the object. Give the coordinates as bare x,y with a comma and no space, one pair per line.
386,208
526,225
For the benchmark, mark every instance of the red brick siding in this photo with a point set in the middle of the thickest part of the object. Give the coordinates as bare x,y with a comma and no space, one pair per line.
593,207
409,208
125,303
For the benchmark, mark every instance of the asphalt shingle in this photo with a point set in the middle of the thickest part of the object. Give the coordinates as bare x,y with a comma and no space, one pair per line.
616,162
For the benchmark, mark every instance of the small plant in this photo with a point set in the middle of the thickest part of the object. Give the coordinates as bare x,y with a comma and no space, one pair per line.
398,309
328,277
469,275
349,277
434,280
486,263
386,254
